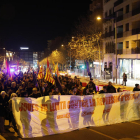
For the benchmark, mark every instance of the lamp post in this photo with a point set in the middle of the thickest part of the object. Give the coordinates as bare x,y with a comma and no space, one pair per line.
99,58
70,54
70,59
116,48
99,18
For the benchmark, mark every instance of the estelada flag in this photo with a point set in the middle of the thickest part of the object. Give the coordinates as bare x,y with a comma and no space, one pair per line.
48,76
40,74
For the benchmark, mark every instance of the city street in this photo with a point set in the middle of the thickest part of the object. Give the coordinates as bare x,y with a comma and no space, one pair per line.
122,131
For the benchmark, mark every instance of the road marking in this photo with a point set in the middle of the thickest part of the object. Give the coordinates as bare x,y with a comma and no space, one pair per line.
135,123
102,134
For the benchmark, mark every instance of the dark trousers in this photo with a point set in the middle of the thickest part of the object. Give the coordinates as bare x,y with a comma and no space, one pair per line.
124,83
11,119
2,121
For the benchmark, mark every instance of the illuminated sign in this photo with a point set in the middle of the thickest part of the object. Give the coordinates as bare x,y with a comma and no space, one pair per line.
24,48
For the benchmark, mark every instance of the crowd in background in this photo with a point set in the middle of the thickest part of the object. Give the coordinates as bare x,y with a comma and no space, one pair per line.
27,85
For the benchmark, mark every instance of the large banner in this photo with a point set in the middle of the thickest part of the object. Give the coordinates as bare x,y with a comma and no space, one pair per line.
58,114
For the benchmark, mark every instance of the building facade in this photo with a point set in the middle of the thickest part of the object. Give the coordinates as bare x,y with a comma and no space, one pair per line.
126,15
26,54
37,56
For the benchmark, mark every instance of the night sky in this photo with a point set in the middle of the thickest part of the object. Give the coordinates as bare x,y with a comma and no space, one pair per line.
32,24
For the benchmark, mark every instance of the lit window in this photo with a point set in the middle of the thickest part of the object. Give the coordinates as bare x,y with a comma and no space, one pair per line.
7,54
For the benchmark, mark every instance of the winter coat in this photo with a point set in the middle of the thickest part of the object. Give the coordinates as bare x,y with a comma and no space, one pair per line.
35,95
3,106
111,89
136,89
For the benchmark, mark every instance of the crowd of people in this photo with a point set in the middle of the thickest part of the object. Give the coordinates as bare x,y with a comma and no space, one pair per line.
27,85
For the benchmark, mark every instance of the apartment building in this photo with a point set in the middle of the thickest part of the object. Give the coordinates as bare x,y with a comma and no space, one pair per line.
126,14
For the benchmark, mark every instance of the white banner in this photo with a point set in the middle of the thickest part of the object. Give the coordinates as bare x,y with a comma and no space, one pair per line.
58,114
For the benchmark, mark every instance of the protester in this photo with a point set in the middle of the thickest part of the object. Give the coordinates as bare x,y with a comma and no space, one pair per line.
11,117
45,89
29,88
80,90
119,90
87,92
3,109
124,79
1,86
73,91
104,90
111,88
7,84
14,87
56,91
35,94
64,90
91,86
136,88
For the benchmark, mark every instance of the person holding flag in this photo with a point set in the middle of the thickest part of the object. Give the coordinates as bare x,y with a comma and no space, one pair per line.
56,70
48,76
40,74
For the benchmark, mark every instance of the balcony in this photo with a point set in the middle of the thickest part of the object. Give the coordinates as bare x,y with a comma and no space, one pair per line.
135,50
118,2
109,34
135,11
119,35
120,51
135,31
108,18
106,35
119,18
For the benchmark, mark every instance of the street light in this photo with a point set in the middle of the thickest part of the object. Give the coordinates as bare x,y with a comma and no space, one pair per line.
99,18
70,53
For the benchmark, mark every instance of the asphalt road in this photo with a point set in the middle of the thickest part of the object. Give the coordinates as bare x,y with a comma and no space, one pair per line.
122,131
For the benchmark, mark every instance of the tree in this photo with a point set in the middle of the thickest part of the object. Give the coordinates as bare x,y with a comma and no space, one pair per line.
86,41
56,57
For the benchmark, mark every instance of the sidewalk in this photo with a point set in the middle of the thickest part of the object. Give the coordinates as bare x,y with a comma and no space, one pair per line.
10,133
129,85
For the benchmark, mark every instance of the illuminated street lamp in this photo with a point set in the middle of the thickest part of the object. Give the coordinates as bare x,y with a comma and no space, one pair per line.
99,18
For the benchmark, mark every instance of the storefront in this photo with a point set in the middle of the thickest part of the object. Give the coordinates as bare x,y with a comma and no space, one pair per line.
131,67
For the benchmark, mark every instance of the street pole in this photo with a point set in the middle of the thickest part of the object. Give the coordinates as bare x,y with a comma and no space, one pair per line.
99,58
116,48
70,59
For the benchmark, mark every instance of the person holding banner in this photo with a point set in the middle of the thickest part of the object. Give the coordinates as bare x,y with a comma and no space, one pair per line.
3,109
111,88
11,117
136,88
35,94
91,86
45,89
104,90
